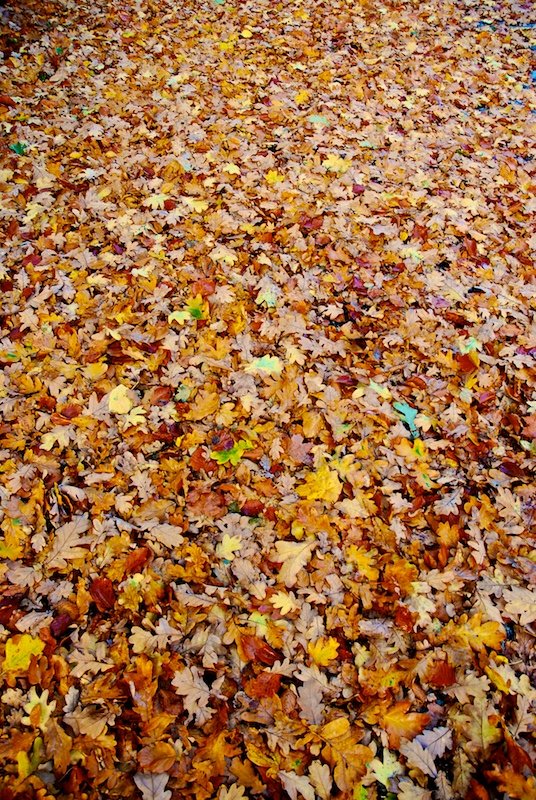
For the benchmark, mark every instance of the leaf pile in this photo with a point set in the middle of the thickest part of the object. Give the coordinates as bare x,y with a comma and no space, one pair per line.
268,416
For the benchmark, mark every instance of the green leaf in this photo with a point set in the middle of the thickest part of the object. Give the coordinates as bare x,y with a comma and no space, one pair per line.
270,364
19,148
233,455
408,414
318,119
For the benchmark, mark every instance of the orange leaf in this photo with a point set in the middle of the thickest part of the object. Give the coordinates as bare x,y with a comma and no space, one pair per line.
514,784
157,758
400,724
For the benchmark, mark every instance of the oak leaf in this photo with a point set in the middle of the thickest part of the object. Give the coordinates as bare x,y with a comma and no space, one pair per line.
294,556
152,787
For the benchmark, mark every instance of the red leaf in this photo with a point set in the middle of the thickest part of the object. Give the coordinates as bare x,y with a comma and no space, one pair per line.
441,675
251,648
252,508
200,461
102,592
5,100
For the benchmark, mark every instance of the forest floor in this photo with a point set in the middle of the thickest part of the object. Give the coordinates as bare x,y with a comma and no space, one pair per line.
267,400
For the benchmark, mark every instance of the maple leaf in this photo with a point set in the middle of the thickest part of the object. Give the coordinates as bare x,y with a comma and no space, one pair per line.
324,484
228,546
294,556
323,650
273,177
335,163
19,651
284,602
119,401
234,454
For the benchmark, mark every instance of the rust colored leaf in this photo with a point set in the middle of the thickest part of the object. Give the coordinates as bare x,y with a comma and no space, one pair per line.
137,559
264,685
251,648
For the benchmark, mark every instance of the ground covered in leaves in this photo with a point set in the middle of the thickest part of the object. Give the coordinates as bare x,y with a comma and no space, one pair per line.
268,418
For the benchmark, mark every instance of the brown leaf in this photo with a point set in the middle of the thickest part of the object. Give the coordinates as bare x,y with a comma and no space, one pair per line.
58,745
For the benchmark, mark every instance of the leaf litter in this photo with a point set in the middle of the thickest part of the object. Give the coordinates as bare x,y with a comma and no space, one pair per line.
267,401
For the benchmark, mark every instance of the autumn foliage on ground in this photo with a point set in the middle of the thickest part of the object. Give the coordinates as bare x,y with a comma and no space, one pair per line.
268,419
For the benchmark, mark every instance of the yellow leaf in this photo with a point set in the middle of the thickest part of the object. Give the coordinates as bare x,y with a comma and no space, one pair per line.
400,723
19,652
335,728
323,650
364,560
499,681
337,164
272,177
301,97
195,204
312,423
206,403
228,546
261,758
448,534
284,603
246,33
231,169
324,484
478,634
118,400
96,371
